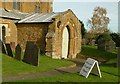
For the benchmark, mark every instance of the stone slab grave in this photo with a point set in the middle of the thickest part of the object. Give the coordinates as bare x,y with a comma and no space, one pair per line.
9,50
2,47
90,66
31,54
18,52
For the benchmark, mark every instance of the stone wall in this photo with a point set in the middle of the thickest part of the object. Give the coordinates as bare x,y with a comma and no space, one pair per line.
29,7
32,32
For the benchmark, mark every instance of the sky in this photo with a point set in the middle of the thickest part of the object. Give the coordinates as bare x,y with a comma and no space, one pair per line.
84,11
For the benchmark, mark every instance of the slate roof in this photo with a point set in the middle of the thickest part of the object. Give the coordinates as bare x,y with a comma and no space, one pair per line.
27,18
38,18
12,14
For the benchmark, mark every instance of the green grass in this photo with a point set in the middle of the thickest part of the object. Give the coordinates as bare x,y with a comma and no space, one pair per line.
12,67
108,67
109,70
91,51
74,78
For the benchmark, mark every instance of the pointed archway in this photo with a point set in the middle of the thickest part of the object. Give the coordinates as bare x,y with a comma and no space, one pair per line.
3,33
65,43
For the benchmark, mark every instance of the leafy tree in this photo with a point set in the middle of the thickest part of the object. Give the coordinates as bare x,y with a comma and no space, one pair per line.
116,38
83,30
99,21
106,36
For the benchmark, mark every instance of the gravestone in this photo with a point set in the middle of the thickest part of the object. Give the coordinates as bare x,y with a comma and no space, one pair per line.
35,59
2,47
101,44
110,45
9,50
27,54
92,43
31,54
18,52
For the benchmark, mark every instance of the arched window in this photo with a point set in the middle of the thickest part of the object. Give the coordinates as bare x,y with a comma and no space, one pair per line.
35,9
14,4
39,9
4,4
18,5
3,33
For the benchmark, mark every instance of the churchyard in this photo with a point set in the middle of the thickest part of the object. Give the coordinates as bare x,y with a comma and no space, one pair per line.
43,64
38,44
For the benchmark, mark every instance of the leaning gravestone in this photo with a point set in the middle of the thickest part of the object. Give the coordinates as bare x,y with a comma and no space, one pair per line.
2,47
18,52
9,50
31,54
27,54
34,57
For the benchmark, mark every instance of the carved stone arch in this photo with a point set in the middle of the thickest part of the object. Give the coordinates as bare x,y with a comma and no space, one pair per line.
72,35
69,21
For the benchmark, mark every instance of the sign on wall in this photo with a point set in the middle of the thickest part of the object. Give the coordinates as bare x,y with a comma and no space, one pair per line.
90,66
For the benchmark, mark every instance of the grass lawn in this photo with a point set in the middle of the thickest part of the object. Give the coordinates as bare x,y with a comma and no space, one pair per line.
12,67
109,70
110,66
74,78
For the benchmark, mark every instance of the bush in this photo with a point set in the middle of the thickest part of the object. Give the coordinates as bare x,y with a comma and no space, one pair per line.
105,36
116,38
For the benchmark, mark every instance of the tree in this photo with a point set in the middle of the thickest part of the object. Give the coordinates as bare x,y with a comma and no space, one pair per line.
83,30
116,38
99,20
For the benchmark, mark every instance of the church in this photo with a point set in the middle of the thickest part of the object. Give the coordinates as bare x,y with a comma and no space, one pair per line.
57,34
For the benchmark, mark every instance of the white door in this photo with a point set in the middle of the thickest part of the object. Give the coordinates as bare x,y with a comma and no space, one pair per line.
65,42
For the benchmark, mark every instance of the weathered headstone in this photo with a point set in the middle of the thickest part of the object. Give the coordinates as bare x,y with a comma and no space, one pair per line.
110,45
18,52
101,44
9,50
27,53
92,43
2,47
35,59
31,54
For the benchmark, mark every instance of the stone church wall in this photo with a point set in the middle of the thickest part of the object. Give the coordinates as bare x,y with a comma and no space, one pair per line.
32,32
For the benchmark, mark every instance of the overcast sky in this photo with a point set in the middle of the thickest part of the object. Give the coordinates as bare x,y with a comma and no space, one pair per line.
84,11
